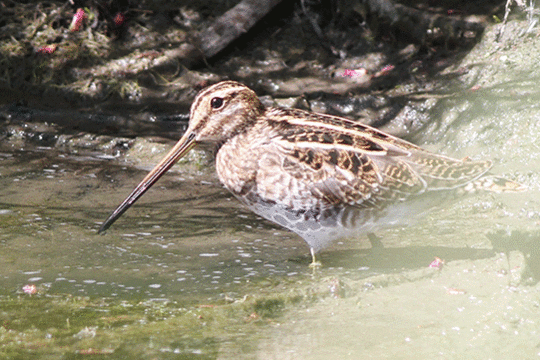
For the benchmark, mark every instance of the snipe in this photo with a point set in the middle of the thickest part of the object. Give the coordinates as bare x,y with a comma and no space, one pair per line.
323,177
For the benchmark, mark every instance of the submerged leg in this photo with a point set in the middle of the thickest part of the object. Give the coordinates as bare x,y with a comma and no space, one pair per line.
374,240
315,264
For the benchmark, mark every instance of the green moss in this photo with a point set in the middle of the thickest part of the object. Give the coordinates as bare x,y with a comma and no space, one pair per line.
43,326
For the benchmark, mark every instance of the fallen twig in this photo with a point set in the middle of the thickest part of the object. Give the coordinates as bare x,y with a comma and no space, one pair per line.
227,28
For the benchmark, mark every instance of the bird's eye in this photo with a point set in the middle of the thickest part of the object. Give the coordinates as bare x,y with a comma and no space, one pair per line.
216,102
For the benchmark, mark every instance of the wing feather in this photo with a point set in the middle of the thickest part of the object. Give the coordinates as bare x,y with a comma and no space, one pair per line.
366,173
322,161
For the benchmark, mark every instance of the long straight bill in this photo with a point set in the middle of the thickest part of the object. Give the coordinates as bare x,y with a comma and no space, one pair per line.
185,144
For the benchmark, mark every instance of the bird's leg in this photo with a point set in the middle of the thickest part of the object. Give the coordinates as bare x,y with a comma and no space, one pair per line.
374,240
315,264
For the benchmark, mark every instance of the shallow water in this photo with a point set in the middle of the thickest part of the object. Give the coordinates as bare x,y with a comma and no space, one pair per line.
186,237
188,272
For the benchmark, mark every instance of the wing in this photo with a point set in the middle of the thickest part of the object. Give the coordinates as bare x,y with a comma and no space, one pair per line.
320,166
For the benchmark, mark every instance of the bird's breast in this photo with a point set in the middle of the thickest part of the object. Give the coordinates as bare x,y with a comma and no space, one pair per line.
236,165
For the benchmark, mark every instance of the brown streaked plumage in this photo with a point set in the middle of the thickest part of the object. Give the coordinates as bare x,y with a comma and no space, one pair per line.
323,177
